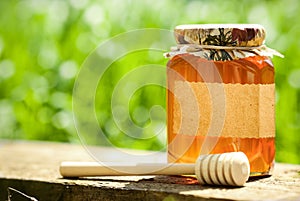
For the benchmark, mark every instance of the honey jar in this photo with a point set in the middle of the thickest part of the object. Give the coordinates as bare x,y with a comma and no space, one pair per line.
221,94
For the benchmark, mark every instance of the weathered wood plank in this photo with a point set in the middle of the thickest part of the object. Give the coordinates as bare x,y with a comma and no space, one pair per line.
32,168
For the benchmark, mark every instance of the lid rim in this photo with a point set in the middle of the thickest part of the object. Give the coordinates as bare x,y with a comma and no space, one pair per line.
215,26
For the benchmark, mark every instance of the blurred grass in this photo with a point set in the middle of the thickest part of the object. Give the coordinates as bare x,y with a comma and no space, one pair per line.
44,43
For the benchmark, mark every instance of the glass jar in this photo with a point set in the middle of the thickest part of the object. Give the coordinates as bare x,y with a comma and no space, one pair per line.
221,94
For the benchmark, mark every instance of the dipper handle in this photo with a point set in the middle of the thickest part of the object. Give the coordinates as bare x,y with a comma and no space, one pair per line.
90,169
216,169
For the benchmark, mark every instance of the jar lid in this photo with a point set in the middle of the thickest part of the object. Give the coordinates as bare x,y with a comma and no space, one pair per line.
232,35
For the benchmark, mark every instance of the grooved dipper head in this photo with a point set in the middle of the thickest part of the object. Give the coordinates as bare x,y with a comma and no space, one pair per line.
223,169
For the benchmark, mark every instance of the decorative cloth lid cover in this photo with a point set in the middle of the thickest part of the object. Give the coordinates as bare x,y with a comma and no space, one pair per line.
236,35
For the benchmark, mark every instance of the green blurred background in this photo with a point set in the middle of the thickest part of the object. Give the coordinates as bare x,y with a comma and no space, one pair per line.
44,42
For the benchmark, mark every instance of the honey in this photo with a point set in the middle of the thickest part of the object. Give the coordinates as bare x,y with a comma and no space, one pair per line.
221,100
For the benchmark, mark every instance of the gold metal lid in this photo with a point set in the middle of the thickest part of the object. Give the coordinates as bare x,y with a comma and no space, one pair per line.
230,35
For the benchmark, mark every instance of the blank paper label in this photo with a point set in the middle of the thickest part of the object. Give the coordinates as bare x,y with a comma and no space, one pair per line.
227,110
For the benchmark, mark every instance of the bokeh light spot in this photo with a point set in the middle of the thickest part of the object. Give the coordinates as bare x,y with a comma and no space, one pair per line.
62,119
78,4
68,69
294,78
7,69
59,100
94,15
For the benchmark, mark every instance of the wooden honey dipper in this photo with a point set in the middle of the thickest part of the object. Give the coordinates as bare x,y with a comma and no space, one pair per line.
215,169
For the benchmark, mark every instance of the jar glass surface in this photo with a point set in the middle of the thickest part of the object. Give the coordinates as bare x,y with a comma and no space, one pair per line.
248,85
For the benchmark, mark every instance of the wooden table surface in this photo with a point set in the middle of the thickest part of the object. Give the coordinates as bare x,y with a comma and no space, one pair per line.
32,168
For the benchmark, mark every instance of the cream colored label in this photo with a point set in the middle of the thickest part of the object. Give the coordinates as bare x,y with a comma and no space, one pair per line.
227,110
